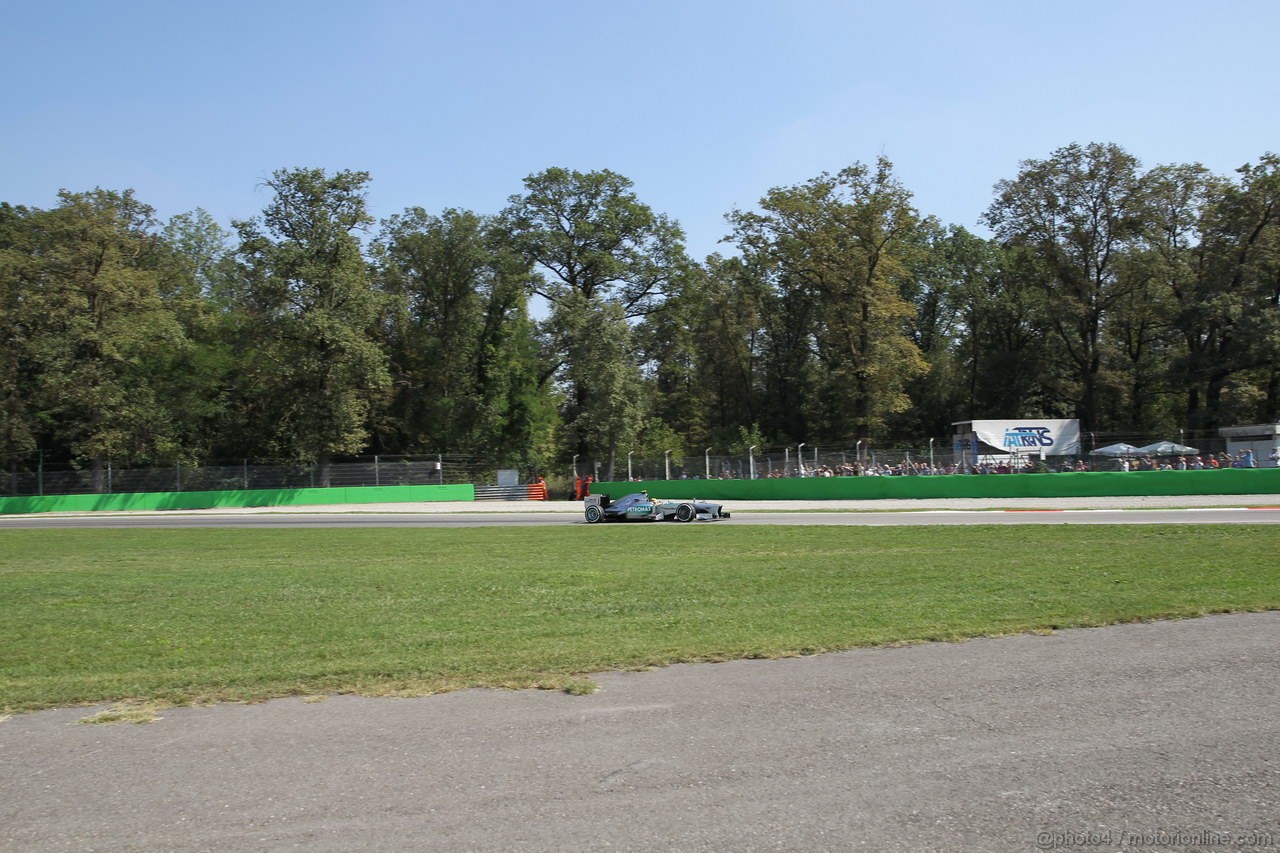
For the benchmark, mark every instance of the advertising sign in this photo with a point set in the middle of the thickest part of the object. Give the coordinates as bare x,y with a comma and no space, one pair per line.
1024,437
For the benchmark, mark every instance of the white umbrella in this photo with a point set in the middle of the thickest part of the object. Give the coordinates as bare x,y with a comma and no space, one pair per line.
1167,448
1120,449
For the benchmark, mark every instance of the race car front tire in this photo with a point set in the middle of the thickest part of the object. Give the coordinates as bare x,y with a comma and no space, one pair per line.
686,512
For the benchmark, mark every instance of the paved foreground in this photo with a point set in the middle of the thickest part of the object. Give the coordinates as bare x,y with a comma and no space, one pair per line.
1150,736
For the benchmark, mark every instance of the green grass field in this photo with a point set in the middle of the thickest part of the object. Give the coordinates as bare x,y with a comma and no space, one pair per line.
216,615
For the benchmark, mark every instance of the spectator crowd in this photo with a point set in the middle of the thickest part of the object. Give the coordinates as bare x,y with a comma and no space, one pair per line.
995,465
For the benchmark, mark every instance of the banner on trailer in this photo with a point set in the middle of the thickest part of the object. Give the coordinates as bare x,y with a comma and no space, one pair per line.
1029,437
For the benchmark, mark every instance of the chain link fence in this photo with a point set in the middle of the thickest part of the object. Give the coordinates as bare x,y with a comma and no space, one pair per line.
27,476
30,475
865,459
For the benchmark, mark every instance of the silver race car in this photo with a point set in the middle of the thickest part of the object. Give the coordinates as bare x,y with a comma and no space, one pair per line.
640,507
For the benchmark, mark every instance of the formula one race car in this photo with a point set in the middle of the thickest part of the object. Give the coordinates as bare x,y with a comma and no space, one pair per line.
641,507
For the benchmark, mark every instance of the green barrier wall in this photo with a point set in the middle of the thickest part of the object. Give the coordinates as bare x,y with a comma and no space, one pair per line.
1259,481
255,497
1232,481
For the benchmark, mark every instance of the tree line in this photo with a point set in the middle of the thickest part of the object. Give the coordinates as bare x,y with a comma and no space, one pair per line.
573,322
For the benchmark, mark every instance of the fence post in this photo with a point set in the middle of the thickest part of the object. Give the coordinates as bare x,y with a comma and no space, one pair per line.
245,463
40,479
177,476
376,479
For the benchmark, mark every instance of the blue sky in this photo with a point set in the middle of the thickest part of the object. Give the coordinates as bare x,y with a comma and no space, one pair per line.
704,105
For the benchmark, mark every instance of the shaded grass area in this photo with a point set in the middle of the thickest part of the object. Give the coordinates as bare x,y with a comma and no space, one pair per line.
214,615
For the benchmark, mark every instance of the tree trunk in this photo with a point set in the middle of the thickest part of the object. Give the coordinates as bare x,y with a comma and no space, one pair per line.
1271,407
862,405
99,474
1213,400
1193,415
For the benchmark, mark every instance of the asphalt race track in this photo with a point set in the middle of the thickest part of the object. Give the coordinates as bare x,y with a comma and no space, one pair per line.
356,518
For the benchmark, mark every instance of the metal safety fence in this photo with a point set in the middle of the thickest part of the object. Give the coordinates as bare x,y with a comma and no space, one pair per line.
30,475
35,477
802,460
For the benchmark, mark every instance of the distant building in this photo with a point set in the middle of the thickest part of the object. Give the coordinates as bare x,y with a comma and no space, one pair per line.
1262,439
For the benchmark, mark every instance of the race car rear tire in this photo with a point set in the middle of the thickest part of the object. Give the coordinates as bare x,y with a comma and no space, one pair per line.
686,512
594,514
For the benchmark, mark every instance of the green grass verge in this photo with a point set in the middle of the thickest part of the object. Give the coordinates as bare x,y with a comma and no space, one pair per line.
216,615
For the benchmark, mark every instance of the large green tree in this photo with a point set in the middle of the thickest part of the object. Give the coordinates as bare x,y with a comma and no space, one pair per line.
198,272
1005,368
1225,276
946,285
1145,352
1073,216
837,250
19,417
599,365
97,337
317,369
668,343
603,259
463,357
731,342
